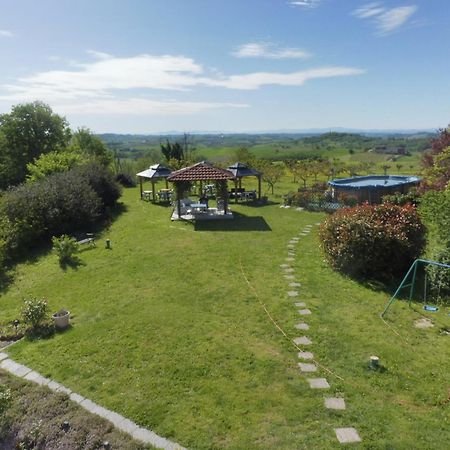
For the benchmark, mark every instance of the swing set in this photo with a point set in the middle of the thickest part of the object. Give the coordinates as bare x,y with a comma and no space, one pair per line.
409,281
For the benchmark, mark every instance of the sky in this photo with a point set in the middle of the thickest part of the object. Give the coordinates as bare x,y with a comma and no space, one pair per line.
153,66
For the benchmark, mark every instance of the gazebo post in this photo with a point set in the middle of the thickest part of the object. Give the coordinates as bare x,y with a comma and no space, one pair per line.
153,190
167,183
140,186
235,190
259,187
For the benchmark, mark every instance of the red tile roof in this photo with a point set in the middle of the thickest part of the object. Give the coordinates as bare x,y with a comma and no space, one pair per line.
199,172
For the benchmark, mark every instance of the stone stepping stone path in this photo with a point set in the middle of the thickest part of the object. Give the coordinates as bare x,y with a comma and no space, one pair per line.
344,435
318,383
302,340
347,435
334,403
307,367
305,355
141,434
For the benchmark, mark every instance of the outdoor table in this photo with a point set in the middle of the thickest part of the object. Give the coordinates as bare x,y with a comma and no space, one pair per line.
147,194
199,207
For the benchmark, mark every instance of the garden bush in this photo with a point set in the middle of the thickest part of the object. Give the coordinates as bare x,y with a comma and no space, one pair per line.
125,180
65,247
59,204
5,398
35,312
373,241
439,277
102,181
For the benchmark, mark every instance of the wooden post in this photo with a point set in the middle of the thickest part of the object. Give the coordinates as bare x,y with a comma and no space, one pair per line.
140,186
259,187
153,191
235,190
167,184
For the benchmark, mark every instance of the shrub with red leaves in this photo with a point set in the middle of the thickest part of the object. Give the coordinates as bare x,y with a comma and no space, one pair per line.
373,241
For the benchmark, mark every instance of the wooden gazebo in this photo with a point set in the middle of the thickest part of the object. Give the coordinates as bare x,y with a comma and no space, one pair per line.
241,170
154,173
202,171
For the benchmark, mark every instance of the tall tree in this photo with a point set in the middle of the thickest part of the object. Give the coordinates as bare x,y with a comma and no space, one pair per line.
28,131
90,146
172,151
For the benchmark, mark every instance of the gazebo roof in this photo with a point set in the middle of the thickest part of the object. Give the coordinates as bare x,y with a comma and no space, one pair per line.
200,172
240,170
155,171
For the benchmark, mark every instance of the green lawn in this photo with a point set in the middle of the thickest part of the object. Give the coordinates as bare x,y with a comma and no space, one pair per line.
167,332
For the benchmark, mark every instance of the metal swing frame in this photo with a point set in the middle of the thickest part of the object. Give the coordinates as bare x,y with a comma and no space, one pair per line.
412,270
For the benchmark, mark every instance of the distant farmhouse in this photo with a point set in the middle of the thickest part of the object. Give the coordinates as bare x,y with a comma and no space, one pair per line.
385,150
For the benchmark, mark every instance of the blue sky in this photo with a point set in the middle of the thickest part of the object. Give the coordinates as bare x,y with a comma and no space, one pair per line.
145,66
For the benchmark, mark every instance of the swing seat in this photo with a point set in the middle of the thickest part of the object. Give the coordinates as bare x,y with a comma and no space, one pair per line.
430,308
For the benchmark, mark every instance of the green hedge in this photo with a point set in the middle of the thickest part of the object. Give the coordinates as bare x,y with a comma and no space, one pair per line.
373,241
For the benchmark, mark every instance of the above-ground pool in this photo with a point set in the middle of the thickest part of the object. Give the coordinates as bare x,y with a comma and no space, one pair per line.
372,188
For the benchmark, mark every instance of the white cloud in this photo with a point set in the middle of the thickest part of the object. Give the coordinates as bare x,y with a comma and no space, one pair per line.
260,79
305,3
141,106
386,20
268,50
6,33
369,10
394,18
99,55
121,85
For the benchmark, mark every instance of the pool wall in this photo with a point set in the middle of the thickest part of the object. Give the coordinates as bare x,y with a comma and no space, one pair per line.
372,188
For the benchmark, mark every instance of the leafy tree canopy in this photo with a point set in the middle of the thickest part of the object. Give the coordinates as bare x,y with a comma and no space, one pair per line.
28,131
84,142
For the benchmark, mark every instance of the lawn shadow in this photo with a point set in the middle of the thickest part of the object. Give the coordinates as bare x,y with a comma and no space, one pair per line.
73,263
240,222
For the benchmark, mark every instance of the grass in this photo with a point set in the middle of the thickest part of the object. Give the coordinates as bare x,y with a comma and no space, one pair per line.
167,332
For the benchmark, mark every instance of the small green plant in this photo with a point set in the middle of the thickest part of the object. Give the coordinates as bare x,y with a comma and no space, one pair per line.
5,399
35,312
65,247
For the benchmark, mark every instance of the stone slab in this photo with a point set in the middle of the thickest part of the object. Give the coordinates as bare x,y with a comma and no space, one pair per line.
290,258
305,355
302,340
284,266
89,405
294,284
76,397
299,209
293,242
302,326
347,435
295,238
302,234
334,403
127,425
3,356
289,270
290,246
289,277
307,367
304,312
16,369
37,378
300,304
318,383
292,293
64,390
